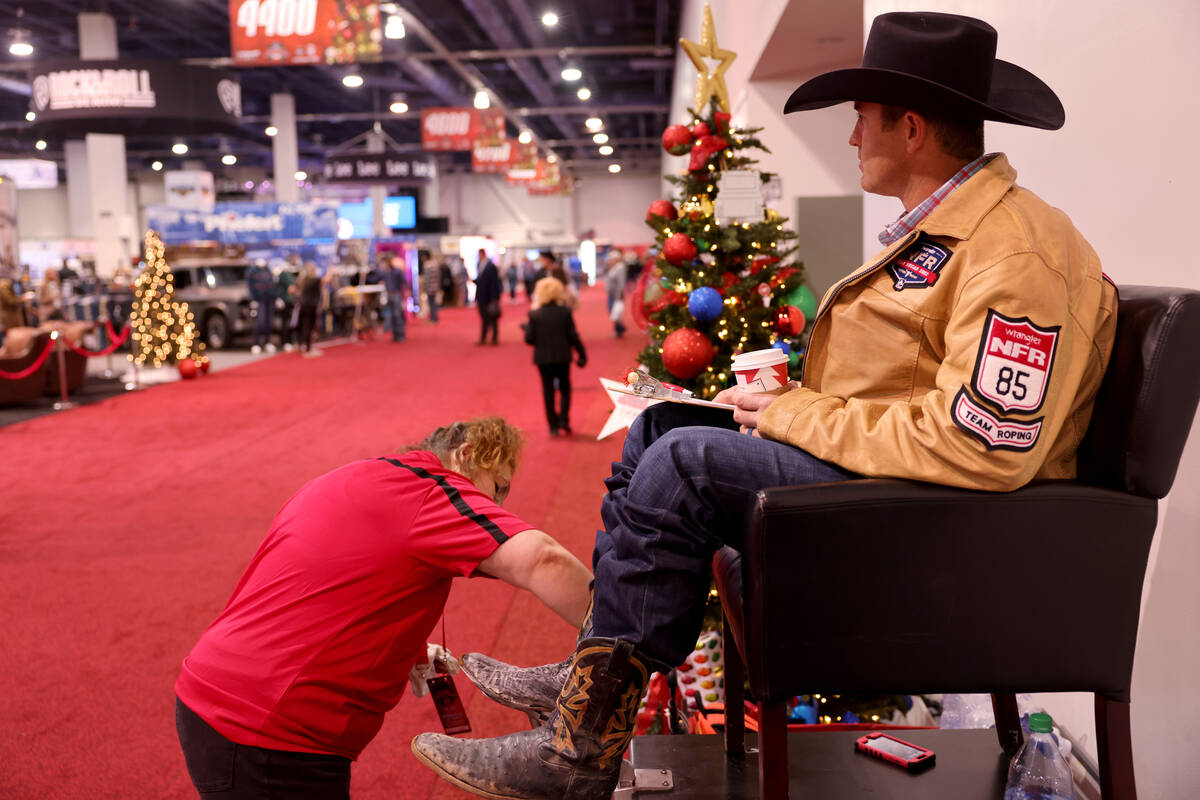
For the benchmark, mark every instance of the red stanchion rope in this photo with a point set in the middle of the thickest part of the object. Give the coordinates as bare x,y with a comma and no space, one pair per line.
116,342
32,368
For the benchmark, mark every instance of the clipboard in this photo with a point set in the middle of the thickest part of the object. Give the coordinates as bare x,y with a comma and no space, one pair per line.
692,401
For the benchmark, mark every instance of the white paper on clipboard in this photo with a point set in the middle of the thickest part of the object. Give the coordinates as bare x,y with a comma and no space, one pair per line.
692,401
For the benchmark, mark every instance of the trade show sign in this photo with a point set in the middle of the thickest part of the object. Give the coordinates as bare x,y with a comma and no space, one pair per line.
133,95
30,173
379,168
524,164
460,128
497,157
244,223
272,33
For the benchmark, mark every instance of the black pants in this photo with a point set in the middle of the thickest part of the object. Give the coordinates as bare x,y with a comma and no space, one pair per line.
562,374
222,769
489,320
307,321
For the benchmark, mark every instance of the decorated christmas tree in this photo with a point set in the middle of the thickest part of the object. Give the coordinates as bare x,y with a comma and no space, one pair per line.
725,281
163,329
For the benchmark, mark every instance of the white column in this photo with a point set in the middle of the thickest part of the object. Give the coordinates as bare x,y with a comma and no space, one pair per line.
284,148
431,198
378,193
97,175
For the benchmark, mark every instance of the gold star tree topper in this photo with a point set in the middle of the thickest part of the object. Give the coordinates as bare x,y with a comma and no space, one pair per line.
709,83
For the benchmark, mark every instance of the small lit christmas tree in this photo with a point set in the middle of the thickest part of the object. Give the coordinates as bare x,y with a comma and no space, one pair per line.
722,283
163,329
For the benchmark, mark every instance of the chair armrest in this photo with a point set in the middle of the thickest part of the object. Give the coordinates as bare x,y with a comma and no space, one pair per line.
939,584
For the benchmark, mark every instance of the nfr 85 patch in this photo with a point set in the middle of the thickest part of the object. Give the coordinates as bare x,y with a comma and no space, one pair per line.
1014,363
919,266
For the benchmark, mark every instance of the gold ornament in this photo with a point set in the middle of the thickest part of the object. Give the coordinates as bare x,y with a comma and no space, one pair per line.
772,215
709,83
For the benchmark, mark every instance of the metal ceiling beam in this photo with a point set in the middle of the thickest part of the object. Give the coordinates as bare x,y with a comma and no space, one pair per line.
651,50
368,116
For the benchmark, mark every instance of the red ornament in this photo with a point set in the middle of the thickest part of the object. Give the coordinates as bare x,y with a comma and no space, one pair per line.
703,150
764,290
661,208
676,140
789,320
722,119
728,279
679,248
187,369
204,365
686,352
700,129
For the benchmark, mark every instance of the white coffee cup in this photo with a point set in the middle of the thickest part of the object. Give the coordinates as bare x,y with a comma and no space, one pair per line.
762,370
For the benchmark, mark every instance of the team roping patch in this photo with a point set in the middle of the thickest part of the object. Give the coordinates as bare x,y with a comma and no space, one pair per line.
919,266
1013,367
996,433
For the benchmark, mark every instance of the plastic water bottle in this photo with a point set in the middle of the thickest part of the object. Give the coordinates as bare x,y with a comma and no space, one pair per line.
1038,771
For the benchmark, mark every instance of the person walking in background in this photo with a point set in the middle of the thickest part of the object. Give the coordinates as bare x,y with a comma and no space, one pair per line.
551,331
614,286
430,282
395,284
261,284
309,302
332,617
528,277
49,297
488,291
510,277
285,284
446,283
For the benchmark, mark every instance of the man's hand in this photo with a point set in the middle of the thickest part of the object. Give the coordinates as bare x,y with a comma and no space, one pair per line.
750,405
435,656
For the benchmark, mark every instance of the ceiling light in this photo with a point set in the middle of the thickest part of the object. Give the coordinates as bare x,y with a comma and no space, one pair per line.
30,116
271,130
301,175
352,80
40,144
229,159
584,93
606,150
398,106
394,27
600,138
20,45
549,19
594,123
525,137
553,159
179,148
614,168
571,74
156,166
482,99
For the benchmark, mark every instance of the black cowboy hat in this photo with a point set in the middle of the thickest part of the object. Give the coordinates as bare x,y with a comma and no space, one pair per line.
936,62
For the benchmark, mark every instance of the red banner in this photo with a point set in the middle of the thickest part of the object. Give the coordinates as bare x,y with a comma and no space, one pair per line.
549,180
493,157
460,128
524,164
282,32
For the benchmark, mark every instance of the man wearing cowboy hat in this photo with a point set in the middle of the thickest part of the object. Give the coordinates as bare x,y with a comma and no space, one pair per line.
968,352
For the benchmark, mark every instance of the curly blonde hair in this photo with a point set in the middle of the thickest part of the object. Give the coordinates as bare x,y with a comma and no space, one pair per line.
494,443
546,291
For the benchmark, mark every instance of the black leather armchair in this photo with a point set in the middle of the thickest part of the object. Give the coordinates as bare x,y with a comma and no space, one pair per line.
955,606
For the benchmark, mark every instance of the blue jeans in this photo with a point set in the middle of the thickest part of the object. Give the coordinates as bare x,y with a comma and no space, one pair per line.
682,489
262,322
396,315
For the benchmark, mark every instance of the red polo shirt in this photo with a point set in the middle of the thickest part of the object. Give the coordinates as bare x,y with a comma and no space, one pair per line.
316,643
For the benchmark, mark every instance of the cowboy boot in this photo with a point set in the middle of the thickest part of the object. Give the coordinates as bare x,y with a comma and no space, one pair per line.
529,689
576,755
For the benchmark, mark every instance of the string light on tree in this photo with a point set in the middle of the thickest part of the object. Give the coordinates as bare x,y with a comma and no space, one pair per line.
164,330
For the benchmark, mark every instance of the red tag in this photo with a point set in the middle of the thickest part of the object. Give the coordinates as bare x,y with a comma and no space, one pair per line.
448,704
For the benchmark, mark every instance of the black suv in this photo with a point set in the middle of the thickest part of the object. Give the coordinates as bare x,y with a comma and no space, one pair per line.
219,299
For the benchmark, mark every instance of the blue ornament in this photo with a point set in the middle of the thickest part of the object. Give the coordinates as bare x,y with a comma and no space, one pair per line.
784,346
705,304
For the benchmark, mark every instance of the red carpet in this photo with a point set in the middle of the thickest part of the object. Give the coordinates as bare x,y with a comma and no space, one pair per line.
124,526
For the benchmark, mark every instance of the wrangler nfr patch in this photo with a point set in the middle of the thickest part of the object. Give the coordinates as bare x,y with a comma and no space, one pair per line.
1012,370
919,266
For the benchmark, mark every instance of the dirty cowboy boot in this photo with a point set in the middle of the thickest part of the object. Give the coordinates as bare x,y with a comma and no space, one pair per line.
576,755
529,689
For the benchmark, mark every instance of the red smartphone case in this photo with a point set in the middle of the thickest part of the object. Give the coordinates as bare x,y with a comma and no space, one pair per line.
921,761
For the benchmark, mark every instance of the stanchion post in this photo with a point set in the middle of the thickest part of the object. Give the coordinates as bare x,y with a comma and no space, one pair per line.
65,402
108,370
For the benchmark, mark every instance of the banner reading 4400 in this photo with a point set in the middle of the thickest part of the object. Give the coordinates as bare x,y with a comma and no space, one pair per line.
281,32
244,223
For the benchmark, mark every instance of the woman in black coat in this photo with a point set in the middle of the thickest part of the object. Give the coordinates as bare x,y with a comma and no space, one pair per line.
551,331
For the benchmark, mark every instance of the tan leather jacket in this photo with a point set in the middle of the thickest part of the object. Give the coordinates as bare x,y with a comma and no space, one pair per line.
968,353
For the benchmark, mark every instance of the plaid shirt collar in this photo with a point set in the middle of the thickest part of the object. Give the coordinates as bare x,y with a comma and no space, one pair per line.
895,231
